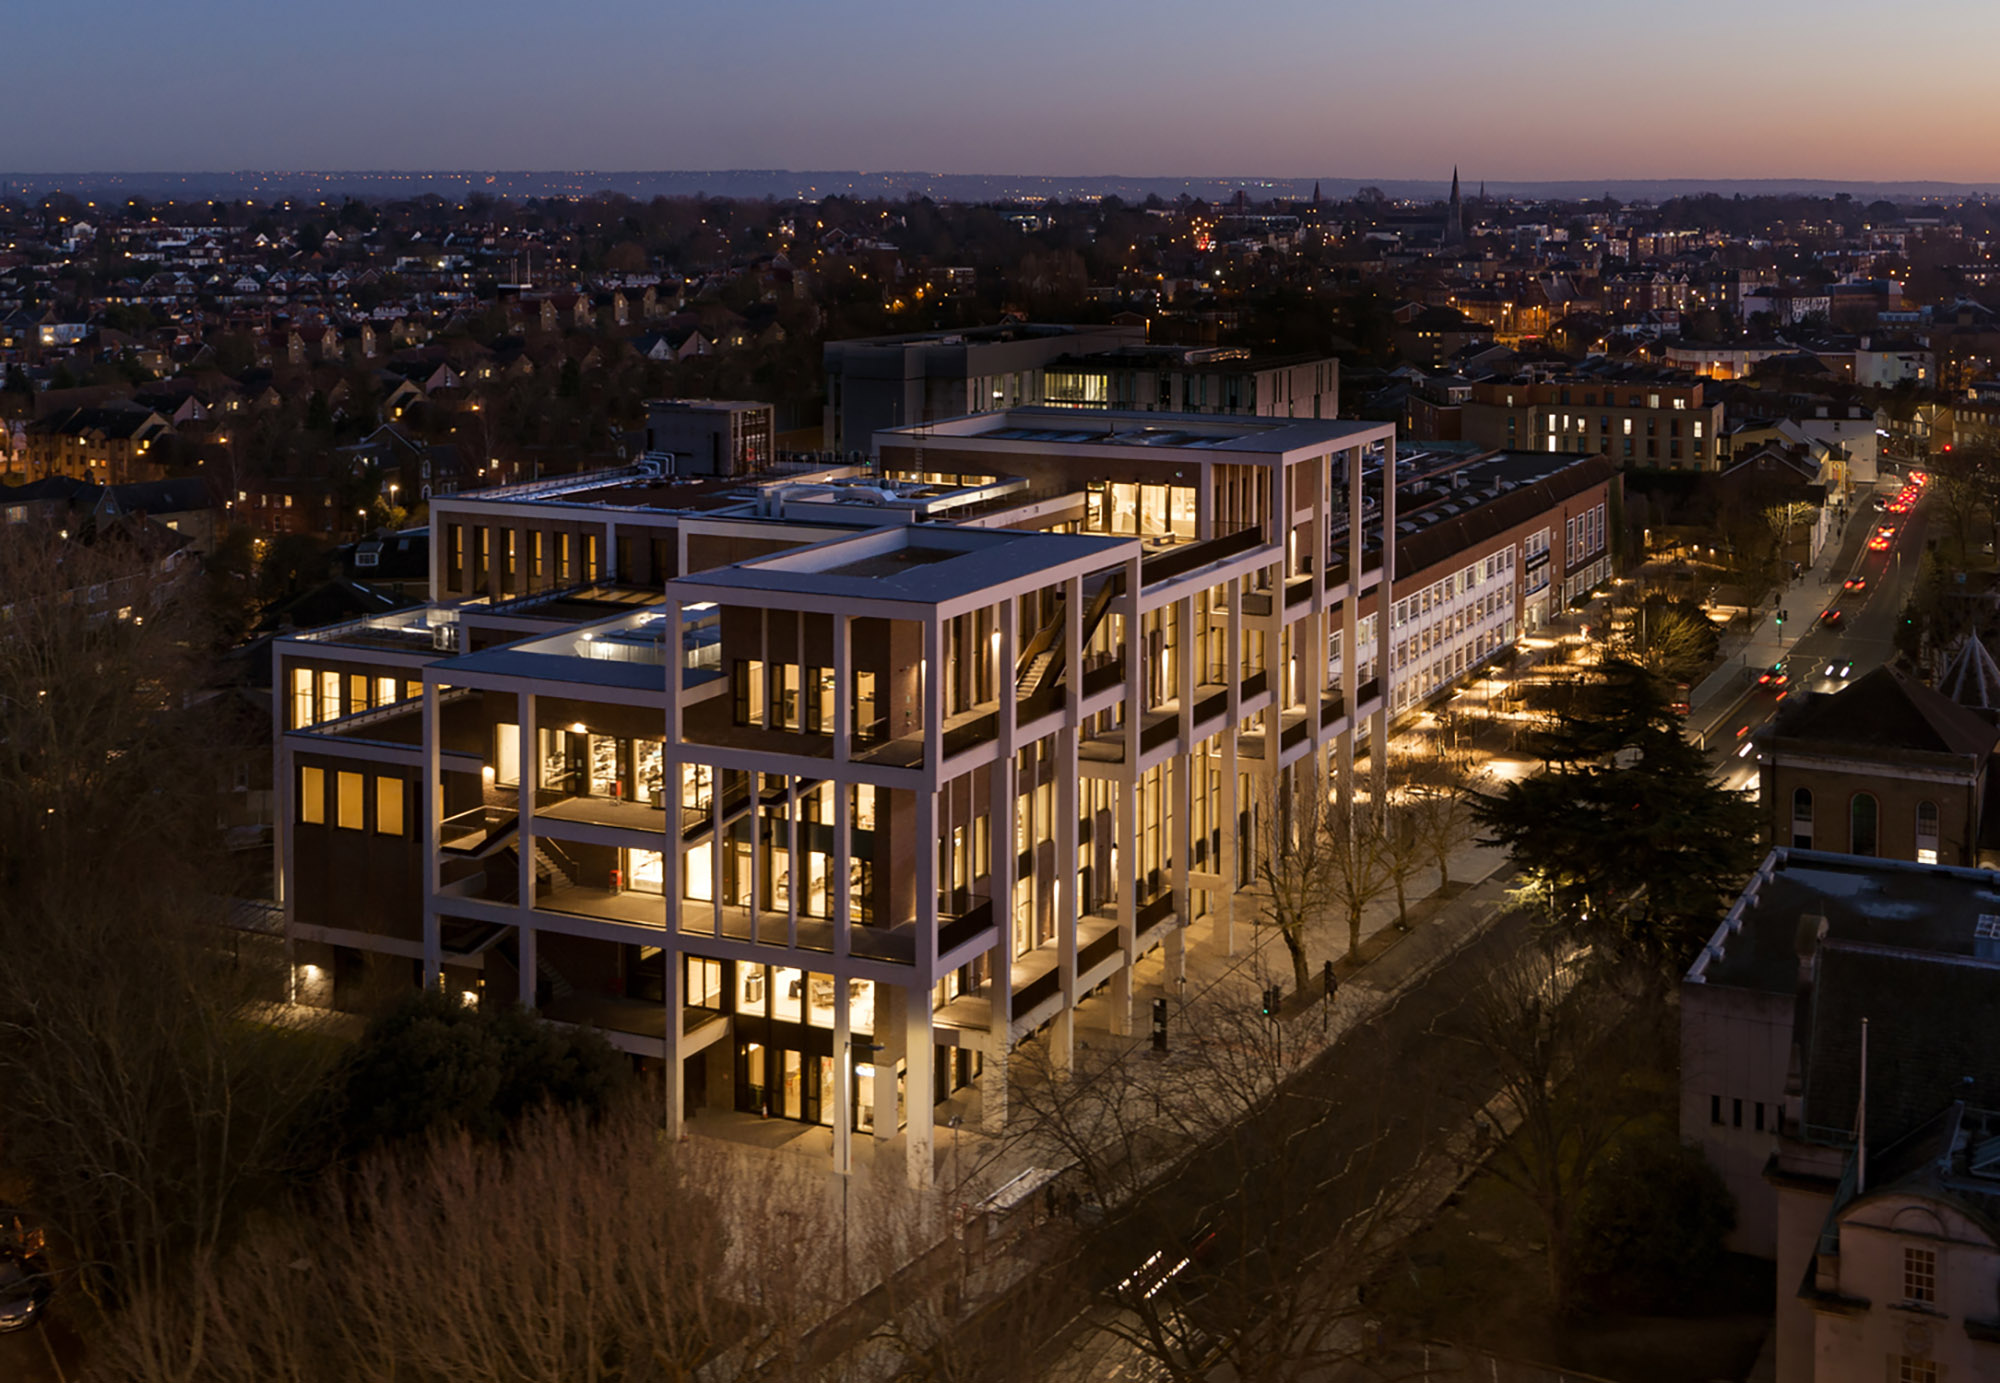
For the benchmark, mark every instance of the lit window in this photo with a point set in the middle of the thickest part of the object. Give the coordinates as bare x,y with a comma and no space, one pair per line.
312,796
1911,1369
388,806
350,794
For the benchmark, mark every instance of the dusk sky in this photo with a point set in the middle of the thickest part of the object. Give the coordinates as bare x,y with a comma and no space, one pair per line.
1542,89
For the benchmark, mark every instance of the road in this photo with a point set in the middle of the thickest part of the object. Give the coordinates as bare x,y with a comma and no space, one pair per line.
1865,635
1436,1073
1387,1097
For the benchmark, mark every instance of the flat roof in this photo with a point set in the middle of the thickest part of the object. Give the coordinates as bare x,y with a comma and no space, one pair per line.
1937,909
1200,432
921,564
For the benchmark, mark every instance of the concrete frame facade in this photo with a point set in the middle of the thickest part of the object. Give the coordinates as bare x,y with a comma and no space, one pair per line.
1270,586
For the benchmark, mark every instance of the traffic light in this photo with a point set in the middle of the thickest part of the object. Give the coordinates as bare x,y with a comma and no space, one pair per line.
1782,617
1273,996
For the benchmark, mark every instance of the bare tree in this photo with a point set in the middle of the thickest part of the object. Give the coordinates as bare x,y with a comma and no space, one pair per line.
574,1253
1295,862
1541,1019
1404,851
1357,843
149,1094
1435,792
1234,1198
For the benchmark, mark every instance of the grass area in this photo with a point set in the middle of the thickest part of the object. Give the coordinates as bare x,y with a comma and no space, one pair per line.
1477,1275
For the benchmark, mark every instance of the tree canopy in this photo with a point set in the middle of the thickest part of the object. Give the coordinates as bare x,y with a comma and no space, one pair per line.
1625,836
431,1065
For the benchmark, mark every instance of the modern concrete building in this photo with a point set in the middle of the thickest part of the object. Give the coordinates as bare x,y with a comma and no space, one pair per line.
879,382
821,796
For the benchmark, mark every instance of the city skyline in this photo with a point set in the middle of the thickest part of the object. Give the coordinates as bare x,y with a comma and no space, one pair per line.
1117,91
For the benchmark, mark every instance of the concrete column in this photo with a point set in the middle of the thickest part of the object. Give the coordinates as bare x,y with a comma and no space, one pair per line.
675,1059
843,687
917,1036
1135,665
843,1074
1230,865
1062,1032
1001,799
1183,805
524,809
670,789
525,952
843,867
918,1092
794,877
933,699
1128,880
433,810
891,1002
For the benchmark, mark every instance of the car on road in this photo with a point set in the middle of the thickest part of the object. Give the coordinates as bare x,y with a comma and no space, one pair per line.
1880,542
1164,1268
1855,583
25,1282
1830,619
1774,676
1839,667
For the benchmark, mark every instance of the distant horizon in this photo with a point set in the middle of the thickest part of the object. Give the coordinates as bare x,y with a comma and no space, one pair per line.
900,184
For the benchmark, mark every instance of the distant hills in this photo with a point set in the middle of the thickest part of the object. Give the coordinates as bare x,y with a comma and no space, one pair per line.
980,187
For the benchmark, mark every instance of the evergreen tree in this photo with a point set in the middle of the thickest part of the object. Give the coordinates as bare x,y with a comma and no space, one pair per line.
1626,838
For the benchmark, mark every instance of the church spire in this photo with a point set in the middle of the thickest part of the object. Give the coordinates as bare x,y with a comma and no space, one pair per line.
1454,216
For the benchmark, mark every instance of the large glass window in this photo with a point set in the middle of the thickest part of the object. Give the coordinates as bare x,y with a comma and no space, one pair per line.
752,982
697,874
703,986
788,994
648,756
819,1000
749,689
389,806
302,697
1927,833
607,767
645,871
329,696
312,796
